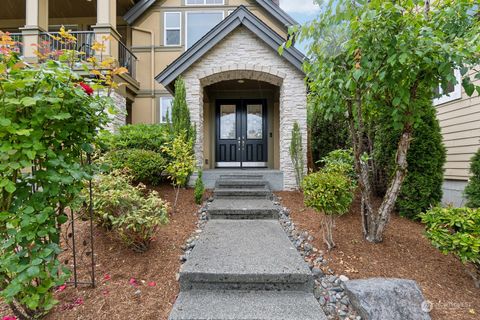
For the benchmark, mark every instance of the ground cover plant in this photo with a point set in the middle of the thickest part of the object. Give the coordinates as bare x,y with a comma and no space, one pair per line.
384,57
456,231
48,124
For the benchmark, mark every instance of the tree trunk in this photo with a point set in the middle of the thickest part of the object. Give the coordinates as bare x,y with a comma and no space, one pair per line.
377,221
328,223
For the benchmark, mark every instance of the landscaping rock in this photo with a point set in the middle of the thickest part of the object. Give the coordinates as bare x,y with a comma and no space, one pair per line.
381,298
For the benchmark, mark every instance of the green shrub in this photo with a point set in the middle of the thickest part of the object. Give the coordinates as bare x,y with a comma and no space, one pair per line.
131,213
144,165
137,136
342,161
330,193
327,133
422,187
199,188
472,190
296,154
457,231
181,164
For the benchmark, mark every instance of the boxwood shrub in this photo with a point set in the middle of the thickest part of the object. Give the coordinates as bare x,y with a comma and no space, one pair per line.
143,165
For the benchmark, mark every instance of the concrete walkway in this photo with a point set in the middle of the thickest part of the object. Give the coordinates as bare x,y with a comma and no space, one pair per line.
243,265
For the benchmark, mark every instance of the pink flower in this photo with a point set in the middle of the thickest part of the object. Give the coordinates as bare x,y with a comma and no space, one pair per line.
105,292
61,288
133,282
107,277
88,90
78,302
152,284
9,318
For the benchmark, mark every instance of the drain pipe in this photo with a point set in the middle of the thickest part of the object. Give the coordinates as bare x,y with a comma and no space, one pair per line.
152,64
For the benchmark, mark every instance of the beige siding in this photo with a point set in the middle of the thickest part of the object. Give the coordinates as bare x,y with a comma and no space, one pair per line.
460,123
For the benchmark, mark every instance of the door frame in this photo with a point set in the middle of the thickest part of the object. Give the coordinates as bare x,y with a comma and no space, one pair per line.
241,104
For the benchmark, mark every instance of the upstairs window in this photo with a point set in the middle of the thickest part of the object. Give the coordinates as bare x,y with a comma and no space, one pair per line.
173,22
453,91
199,24
204,2
165,109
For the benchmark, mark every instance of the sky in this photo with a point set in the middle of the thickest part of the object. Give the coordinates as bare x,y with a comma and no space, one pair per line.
302,11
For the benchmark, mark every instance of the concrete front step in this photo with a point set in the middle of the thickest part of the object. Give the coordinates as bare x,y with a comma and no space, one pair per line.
245,255
246,305
242,183
240,176
241,209
252,193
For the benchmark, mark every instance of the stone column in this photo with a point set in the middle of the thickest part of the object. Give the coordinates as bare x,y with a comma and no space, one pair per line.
107,27
36,21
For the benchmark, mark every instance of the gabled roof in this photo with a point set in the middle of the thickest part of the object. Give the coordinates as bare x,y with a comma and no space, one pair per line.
143,5
240,17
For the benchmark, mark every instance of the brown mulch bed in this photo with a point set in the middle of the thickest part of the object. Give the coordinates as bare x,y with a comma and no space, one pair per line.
155,271
404,253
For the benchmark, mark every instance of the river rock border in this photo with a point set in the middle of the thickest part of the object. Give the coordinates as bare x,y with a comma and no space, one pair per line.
329,288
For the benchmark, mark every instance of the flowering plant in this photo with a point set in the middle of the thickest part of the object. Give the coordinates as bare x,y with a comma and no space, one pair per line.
49,119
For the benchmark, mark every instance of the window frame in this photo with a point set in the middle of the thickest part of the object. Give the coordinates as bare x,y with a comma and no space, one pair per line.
456,94
165,29
204,3
199,11
161,106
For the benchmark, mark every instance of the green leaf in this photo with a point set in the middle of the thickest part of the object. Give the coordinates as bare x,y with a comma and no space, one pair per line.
5,122
28,101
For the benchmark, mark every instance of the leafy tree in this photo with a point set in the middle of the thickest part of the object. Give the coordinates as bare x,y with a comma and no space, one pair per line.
377,57
296,154
181,164
199,188
422,187
472,190
180,113
457,231
330,193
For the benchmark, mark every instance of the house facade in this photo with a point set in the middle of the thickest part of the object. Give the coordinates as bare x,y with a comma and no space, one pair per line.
460,124
243,96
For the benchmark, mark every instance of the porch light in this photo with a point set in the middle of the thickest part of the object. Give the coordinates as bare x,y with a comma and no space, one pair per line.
241,81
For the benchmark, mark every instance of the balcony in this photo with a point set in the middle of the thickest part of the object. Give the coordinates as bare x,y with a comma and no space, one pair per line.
84,43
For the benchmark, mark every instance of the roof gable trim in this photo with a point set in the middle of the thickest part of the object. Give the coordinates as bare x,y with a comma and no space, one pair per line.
241,16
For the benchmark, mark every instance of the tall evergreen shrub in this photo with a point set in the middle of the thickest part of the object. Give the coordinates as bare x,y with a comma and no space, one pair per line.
296,153
472,191
422,187
180,112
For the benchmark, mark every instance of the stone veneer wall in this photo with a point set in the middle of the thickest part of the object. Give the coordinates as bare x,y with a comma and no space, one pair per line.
119,118
244,54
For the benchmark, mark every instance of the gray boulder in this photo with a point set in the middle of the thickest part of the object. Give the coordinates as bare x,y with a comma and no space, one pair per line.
387,299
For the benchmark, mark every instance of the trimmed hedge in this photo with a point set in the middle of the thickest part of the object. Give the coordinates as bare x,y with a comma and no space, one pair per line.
422,187
143,165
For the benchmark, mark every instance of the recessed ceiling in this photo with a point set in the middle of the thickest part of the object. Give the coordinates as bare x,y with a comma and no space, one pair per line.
15,9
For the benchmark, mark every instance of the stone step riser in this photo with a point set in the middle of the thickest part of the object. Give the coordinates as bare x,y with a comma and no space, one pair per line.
241,177
242,184
241,282
242,214
243,194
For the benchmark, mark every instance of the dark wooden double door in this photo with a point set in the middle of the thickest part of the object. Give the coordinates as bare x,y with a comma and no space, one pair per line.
241,133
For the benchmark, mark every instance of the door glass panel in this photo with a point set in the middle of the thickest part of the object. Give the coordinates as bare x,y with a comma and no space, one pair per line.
228,122
254,121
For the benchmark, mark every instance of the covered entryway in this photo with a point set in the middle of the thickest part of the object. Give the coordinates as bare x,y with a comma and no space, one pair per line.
241,133
244,98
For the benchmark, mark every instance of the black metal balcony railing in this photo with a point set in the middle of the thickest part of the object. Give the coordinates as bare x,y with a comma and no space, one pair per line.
127,59
18,38
85,40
